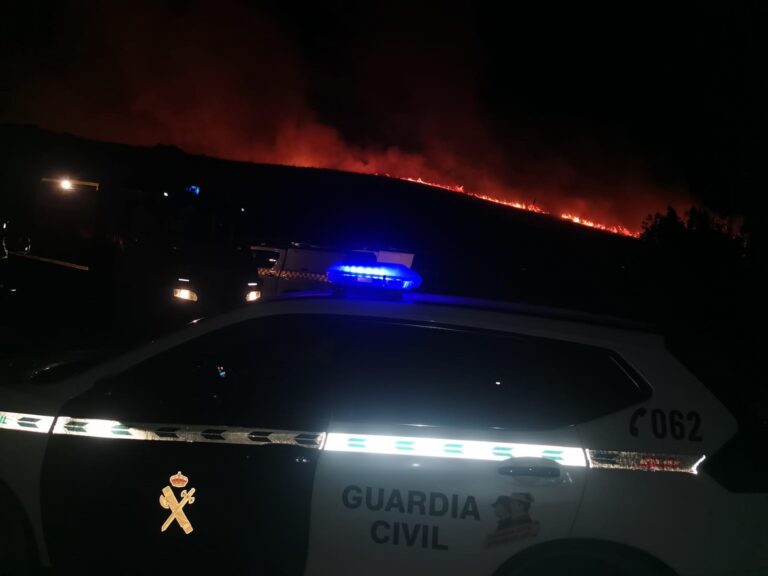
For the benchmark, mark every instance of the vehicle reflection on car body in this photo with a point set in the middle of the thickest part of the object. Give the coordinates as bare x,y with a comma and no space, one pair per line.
215,280
299,266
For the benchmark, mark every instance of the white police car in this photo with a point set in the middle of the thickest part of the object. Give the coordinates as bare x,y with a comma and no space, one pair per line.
377,435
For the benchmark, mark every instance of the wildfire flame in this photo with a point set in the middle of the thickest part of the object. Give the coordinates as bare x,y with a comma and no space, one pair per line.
621,230
454,188
511,204
592,224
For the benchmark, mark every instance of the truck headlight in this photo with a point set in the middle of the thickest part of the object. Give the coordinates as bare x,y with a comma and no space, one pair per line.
252,296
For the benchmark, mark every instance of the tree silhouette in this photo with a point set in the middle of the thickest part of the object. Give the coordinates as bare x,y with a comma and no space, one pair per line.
706,290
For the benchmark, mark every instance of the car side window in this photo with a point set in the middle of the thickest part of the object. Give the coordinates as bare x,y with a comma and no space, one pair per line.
294,372
453,376
250,374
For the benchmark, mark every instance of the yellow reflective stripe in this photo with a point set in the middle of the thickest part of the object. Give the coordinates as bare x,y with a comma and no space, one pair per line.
293,275
113,429
451,448
25,422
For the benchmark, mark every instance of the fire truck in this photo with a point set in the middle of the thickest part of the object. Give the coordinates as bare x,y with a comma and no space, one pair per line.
298,267
175,251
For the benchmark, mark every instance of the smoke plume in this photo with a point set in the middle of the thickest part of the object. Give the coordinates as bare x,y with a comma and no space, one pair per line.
386,94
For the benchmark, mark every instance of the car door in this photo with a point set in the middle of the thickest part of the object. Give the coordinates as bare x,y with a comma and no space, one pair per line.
200,458
659,450
453,449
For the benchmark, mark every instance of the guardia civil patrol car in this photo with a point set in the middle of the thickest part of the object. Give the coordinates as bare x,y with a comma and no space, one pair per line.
351,434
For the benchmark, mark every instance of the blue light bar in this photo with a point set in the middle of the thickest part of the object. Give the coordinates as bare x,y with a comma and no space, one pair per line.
381,275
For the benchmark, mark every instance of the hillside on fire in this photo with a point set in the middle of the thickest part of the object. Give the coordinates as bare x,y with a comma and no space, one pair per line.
463,244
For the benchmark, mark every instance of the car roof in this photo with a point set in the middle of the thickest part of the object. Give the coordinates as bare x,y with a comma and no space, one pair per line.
466,302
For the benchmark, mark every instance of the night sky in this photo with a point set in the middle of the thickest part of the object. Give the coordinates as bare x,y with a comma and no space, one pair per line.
607,111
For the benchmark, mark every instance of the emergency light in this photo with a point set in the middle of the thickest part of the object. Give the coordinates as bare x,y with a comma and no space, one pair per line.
380,275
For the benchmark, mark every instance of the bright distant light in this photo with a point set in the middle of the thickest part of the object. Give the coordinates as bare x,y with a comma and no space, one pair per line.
165,194
252,296
66,184
184,294
242,209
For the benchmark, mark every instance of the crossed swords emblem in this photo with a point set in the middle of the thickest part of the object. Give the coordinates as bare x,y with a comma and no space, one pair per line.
169,502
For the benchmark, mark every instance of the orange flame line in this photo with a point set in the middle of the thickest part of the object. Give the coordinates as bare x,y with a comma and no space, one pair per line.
621,230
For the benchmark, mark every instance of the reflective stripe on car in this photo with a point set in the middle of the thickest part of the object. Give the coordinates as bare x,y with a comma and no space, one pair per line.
25,422
452,448
645,462
97,428
354,443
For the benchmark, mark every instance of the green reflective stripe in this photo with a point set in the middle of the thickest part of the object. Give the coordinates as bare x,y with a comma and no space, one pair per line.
356,442
75,426
28,422
458,448
121,430
552,454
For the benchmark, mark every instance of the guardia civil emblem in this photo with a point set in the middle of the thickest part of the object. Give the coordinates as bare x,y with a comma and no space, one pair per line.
169,501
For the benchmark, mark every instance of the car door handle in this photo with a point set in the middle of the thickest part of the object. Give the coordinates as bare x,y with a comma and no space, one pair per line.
528,469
